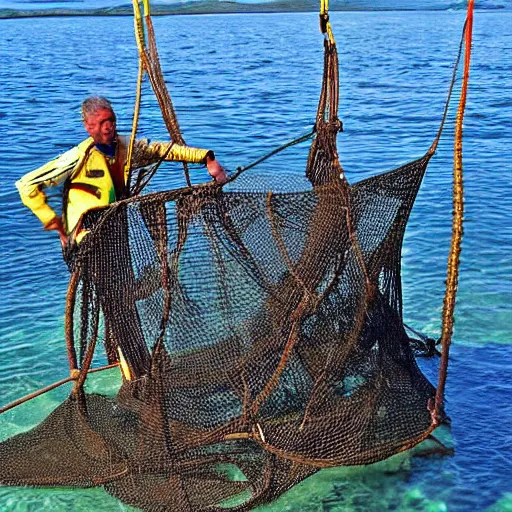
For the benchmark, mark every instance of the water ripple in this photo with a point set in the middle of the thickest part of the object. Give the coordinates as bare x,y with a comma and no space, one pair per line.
246,84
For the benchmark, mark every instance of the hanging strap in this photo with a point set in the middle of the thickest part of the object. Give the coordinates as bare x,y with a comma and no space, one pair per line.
325,25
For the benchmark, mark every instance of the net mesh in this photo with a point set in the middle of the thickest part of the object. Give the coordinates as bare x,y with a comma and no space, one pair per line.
262,331
265,337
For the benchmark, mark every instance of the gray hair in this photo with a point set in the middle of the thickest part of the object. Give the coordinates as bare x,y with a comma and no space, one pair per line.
94,103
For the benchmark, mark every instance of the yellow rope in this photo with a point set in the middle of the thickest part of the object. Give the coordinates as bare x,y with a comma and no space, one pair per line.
325,25
139,37
135,122
139,27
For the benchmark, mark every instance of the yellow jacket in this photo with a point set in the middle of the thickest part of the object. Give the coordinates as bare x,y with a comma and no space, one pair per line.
86,172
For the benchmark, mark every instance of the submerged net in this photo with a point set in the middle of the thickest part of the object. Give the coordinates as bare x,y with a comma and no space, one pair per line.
261,336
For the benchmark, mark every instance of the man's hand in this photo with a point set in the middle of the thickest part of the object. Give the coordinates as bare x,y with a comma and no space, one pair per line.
56,225
215,170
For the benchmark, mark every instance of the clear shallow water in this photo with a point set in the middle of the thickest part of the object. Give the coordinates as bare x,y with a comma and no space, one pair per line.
242,85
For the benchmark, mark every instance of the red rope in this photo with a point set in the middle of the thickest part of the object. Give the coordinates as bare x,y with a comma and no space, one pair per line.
457,228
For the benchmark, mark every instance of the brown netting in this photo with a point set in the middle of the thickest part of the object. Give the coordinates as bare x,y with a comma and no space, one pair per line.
262,331
265,330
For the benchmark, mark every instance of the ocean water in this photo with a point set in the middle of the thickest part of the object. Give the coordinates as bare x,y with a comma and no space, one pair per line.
213,5
243,85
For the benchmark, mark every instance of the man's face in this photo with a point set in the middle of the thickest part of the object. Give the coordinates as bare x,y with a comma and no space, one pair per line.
101,126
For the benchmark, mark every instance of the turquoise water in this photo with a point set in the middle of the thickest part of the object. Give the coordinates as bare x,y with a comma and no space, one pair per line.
242,85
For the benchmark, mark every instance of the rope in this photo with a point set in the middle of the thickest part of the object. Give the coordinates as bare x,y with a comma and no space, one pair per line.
325,26
143,180
135,122
433,147
457,224
149,60
422,345
41,391
298,140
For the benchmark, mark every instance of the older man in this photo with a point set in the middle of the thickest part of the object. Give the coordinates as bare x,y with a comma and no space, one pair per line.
94,175
94,172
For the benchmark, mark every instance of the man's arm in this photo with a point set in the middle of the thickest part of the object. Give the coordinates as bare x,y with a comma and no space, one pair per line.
175,152
31,188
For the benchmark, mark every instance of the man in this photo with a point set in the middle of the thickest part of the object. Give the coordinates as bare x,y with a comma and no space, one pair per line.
94,175
94,171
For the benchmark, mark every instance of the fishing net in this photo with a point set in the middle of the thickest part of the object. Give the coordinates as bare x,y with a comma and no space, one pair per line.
260,332
265,334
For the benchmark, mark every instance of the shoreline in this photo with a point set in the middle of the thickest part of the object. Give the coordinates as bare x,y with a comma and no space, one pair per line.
206,7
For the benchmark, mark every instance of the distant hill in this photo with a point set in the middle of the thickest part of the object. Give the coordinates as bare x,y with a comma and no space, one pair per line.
32,8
